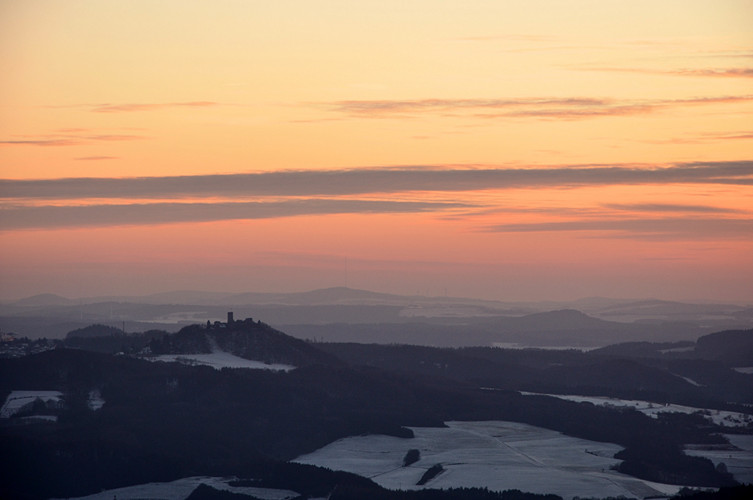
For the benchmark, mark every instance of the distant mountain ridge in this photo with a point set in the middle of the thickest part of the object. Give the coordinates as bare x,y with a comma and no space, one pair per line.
346,314
44,299
734,347
346,295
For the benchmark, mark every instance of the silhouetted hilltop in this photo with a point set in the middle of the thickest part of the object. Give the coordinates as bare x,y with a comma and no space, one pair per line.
731,346
44,299
164,421
563,319
92,331
247,339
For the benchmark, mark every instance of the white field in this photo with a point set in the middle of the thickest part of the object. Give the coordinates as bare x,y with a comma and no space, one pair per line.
496,455
739,461
517,345
219,360
180,489
40,418
719,417
18,399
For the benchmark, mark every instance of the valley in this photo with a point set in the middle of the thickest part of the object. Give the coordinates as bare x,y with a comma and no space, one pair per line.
243,399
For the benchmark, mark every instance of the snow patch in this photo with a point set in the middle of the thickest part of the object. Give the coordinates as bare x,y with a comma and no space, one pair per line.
496,455
748,370
519,346
180,489
718,417
19,400
219,360
95,401
40,418
738,458
689,380
689,348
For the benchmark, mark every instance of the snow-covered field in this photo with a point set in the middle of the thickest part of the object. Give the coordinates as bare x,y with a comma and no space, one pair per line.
496,455
748,370
517,345
719,417
17,400
180,489
739,462
219,360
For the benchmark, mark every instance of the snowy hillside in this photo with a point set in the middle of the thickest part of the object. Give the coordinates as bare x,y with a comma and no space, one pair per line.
19,400
220,359
718,417
495,455
182,488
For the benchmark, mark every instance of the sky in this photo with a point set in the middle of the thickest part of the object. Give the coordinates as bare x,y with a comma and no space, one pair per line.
509,150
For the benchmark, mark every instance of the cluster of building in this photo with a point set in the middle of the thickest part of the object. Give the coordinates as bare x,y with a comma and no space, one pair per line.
230,322
12,347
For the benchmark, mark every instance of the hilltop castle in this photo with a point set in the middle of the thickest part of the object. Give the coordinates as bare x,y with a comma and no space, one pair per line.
230,322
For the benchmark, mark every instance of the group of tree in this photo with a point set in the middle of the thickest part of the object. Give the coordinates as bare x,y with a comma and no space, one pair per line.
164,421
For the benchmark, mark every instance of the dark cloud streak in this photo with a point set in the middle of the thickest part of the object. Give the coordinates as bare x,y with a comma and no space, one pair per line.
53,217
375,180
42,142
547,107
133,107
690,228
95,158
69,140
707,72
669,207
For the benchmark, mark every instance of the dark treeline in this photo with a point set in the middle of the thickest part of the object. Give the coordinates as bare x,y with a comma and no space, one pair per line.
164,421
660,380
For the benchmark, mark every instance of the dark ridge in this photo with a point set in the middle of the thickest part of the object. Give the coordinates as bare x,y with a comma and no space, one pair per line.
248,339
92,331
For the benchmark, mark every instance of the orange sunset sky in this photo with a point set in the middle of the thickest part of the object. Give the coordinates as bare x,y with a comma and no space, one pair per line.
514,150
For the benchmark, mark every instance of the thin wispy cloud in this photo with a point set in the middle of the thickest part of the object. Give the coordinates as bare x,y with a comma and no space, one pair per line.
724,73
378,180
509,38
544,107
670,207
704,138
95,158
689,228
134,107
58,140
704,72
41,142
49,216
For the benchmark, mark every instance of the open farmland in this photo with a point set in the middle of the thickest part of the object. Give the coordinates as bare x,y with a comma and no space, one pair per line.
182,488
496,455
17,401
737,458
718,417
219,360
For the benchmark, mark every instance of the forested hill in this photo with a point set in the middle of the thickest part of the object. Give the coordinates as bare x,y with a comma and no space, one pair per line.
731,347
163,421
614,372
247,339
